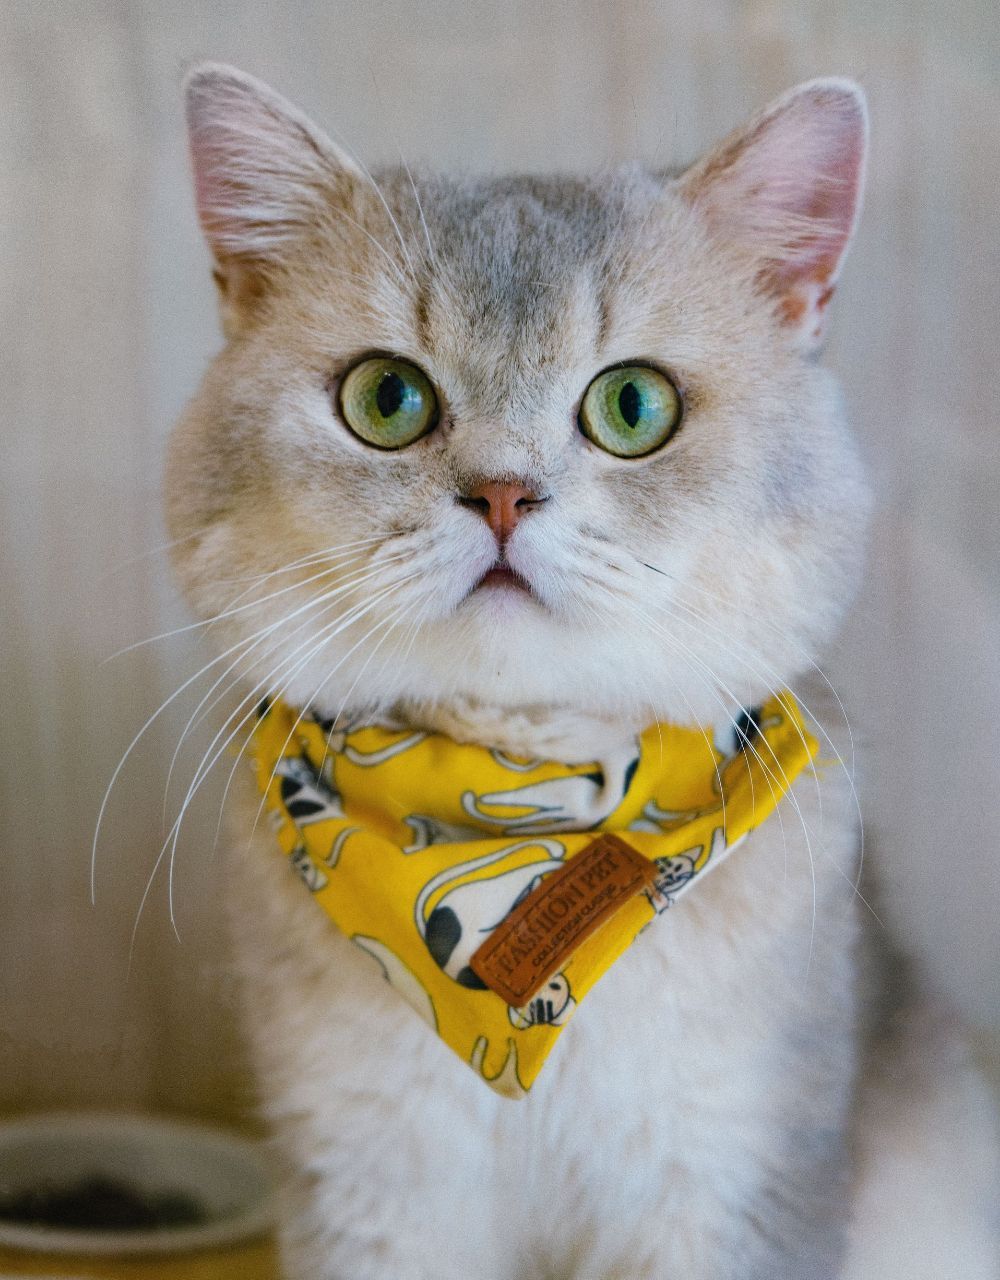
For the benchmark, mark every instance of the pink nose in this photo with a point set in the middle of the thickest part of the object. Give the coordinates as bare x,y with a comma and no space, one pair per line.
500,503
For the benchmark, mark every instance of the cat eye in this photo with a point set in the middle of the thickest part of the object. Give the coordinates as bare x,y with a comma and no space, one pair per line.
388,403
630,411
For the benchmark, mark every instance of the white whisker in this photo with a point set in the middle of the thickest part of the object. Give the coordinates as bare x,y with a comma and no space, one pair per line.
134,743
203,770
765,622
229,612
688,655
329,555
855,883
315,695
406,169
323,599
242,750
850,773
695,719
669,610
393,264
768,776
144,555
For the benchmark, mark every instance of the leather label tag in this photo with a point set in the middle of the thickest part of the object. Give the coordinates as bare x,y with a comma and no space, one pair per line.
537,938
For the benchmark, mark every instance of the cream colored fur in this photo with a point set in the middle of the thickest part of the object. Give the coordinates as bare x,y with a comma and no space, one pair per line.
698,1118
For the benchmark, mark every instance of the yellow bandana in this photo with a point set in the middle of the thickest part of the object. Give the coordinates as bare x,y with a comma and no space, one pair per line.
420,849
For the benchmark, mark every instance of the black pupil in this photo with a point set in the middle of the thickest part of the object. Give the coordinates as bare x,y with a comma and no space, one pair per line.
390,394
630,403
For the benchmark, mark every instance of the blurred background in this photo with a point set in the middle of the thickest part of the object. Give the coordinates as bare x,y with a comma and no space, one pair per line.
109,321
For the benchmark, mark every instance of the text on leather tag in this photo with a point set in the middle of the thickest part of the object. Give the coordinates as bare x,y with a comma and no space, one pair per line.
537,938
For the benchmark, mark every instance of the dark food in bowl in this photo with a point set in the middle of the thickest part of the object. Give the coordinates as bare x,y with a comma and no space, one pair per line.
100,1204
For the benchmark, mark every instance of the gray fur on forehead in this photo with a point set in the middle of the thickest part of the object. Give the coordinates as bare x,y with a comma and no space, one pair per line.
497,221
526,266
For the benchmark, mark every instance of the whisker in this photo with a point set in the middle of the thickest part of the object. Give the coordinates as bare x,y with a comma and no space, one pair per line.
298,719
329,554
318,640
618,601
324,598
321,604
765,622
291,667
689,656
144,555
792,799
397,618
134,743
378,191
393,264
854,883
406,168
774,692
667,608
116,773
335,565
232,774
849,773
420,211
229,612
173,835
203,770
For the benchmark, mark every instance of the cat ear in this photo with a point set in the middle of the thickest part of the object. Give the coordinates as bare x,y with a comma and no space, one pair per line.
786,189
262,171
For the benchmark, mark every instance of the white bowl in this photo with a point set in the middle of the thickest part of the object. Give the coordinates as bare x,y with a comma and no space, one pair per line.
224,1173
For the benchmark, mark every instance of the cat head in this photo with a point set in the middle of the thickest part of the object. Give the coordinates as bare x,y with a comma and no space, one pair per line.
521,442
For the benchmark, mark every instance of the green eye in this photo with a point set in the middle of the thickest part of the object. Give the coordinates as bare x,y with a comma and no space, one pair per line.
630,411
388,403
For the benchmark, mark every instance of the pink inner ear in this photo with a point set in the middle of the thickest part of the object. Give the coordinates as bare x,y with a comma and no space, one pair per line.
788,191
816,180
259,165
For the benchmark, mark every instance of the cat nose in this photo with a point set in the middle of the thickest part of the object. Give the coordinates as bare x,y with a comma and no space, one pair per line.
501,503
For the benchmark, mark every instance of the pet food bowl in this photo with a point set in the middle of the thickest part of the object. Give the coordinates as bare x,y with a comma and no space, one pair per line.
120,1184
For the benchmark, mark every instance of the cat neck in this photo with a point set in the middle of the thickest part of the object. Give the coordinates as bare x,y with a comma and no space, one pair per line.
542,731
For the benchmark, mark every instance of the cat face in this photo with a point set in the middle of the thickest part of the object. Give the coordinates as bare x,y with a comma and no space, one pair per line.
507,555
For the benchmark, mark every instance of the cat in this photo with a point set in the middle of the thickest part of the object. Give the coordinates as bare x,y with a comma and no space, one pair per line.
620,491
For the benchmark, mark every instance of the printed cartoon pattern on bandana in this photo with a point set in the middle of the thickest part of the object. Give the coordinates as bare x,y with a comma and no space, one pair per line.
417,847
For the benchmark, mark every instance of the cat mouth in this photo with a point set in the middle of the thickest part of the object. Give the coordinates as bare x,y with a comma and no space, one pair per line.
503,577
